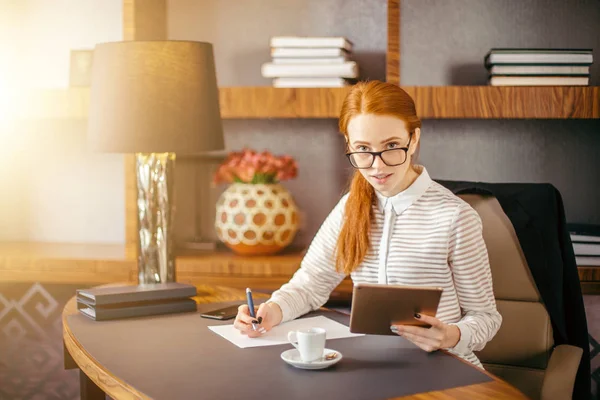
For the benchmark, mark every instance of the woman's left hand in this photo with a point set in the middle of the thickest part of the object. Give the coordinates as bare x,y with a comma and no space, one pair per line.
438,336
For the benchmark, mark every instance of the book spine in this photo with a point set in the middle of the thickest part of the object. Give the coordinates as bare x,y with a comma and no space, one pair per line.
539,50
307,52
586,249
346,70
309,61
587,261
540,59
585,238
300,42
538,70
537,81
309,82
174,293
143,311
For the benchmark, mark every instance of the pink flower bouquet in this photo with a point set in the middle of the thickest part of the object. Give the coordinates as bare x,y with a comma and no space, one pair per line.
248,166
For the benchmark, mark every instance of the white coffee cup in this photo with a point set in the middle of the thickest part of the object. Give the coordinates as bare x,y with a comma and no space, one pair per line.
309,342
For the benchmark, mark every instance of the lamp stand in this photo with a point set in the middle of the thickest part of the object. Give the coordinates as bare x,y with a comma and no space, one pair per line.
155,210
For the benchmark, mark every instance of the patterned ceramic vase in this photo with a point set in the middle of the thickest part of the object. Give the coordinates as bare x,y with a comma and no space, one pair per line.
256,219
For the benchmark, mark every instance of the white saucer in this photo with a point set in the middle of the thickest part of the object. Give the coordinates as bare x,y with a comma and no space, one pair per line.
292,357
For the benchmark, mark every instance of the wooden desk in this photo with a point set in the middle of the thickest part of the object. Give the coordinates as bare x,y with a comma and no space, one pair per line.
96,379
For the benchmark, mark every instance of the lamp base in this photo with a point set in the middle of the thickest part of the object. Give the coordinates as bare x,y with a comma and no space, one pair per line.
155,206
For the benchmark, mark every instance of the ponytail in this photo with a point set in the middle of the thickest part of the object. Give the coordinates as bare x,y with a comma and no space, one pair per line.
353,241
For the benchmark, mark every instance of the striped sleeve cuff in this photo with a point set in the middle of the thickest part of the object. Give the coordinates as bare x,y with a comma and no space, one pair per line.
286,310
463,347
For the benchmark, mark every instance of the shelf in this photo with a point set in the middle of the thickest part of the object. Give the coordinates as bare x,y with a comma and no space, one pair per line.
236,102
504,102
433,102
269,102
63,263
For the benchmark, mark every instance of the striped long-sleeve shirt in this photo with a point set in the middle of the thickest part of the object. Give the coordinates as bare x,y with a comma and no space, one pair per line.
426,236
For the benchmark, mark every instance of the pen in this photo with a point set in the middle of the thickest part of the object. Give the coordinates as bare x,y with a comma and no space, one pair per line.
250,305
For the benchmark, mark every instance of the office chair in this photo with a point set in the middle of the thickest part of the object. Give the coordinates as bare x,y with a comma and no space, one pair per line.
522,352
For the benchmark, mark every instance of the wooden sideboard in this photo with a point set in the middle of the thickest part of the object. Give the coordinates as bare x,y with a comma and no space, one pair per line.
95,264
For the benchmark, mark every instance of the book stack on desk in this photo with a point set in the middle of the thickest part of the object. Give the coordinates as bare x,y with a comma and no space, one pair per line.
538,67
127,301
310,62
586,243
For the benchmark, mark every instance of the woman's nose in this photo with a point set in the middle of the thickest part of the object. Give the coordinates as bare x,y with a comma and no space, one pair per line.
378,163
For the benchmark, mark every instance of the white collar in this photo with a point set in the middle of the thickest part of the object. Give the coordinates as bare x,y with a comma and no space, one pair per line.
408,196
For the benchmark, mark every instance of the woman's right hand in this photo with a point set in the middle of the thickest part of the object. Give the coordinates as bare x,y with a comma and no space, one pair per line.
268,315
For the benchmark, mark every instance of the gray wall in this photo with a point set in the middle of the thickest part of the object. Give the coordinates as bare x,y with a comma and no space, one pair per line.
564,153
240,35
240,31
444,43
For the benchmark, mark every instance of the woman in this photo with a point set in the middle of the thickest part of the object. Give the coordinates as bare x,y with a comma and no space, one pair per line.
395,226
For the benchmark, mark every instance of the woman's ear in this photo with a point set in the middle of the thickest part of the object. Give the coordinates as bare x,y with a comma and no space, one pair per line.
415,146
416,141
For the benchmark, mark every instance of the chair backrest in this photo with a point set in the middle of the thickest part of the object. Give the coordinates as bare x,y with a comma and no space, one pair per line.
525,340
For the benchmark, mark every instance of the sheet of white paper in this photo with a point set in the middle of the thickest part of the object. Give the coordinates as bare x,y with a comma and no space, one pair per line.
278,335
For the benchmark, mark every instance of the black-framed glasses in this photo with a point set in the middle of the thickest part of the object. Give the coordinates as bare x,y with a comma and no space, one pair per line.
390,157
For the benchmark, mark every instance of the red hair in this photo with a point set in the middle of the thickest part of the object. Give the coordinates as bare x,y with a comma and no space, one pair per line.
379,98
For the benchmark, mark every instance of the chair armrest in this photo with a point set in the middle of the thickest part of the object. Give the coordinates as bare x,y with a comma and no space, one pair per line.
560,372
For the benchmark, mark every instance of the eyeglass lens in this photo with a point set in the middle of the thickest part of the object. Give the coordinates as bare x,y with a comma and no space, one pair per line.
390,157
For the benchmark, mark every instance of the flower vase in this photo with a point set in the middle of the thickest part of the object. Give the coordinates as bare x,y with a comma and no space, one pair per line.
256,219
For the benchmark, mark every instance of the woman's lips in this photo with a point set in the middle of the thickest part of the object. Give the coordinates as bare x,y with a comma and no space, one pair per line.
381,178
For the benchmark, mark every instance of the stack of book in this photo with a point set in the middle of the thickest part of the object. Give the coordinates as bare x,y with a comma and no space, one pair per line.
127,301
310,62
586,243
538,67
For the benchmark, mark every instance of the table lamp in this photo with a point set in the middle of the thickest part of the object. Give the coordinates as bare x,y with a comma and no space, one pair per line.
155,99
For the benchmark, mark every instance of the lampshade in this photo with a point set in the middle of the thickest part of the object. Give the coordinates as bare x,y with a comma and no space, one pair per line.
154,97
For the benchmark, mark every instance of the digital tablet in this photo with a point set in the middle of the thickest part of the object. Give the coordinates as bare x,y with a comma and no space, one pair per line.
376,306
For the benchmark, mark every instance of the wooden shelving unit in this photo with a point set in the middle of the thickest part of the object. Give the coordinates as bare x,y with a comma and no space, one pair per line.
147,21
433,102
